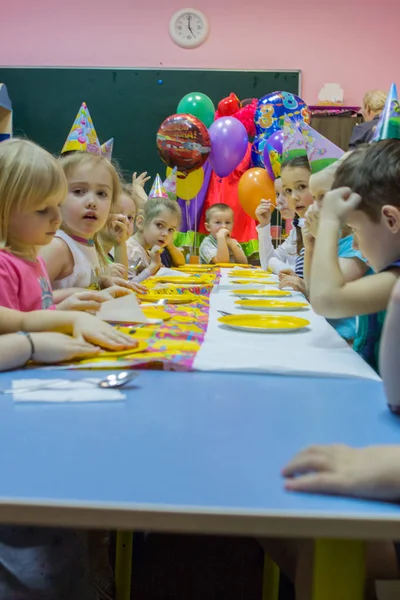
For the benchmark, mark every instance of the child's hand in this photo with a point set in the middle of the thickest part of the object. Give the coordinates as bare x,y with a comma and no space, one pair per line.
293,281
141,179
108,282
287,271
118,229
338,204
372,472
223,233
90,301
155,258
97,332
53,348
117,270
312,220
263,212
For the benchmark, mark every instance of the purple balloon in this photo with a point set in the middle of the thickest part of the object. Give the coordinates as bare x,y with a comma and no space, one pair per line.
276,141
228,145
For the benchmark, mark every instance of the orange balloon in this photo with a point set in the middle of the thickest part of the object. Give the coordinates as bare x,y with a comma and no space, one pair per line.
255,185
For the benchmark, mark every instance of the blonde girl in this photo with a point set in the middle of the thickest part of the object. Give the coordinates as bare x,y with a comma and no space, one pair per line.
32,189
75,257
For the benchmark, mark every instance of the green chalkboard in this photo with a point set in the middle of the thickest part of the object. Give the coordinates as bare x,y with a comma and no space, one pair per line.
127,104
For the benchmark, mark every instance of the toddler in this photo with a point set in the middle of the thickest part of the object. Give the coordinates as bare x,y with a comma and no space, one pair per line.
219,246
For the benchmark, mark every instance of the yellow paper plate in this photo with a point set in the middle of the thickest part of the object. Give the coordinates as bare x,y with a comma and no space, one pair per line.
248,274
272,305
178,280
156,312
261,293
248,281
194,268
114,354
170,298
264,323
230,265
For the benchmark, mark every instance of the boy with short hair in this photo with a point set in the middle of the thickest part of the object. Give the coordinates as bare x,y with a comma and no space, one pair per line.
219,246
370,205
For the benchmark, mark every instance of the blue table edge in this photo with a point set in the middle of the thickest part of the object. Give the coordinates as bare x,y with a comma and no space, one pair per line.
158,518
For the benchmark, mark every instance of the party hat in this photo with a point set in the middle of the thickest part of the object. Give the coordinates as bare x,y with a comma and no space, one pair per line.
388,126
83,136
170,184
107,148
157,189
321,152
294,143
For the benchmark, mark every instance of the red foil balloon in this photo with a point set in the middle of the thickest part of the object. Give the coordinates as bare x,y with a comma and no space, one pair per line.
228,106
184,142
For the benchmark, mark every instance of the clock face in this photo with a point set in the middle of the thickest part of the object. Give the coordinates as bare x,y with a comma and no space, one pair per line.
189,28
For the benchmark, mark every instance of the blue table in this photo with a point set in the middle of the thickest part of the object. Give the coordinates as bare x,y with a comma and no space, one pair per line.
192,452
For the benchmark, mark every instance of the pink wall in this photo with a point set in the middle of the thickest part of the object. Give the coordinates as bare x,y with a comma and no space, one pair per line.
340,41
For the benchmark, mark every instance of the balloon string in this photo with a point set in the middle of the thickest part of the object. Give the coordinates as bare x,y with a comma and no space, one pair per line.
195,227
188,224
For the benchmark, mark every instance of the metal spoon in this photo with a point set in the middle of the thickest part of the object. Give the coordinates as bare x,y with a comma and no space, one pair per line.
114,380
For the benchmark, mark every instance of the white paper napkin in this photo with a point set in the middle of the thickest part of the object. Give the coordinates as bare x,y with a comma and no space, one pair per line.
63,390
122,310
165,272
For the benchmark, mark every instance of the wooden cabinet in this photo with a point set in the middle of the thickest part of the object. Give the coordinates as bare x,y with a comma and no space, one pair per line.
337,128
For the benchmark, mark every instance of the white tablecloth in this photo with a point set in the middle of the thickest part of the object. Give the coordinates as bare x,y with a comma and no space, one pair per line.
318,351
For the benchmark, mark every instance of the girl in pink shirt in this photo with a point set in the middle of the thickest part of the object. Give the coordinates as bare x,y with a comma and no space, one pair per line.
32,188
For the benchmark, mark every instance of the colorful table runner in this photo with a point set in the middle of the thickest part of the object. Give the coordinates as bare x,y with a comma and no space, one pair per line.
171,345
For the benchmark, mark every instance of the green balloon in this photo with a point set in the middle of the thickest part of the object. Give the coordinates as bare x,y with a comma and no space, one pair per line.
199,105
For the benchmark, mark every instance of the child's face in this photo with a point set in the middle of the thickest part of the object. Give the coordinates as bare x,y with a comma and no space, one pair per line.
88,203
220,219
295,185
160,231
378,242
320,184
38,226
127,207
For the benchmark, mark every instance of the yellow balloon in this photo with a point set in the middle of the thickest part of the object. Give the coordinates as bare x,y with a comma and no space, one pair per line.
188,185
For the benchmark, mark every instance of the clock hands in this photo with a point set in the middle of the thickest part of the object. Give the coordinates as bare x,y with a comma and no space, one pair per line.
189,18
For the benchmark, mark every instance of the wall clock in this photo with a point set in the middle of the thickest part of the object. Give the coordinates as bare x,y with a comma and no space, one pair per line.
189,28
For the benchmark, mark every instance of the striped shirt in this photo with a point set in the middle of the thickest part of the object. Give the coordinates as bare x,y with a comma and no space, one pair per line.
299,267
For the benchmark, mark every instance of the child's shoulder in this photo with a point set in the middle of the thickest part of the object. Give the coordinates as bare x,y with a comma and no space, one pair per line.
208,240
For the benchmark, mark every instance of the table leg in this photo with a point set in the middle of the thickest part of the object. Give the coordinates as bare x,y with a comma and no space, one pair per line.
339,570
123,565
270,589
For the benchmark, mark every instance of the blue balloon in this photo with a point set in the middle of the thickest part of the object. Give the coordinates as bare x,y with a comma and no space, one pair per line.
272,108
257,151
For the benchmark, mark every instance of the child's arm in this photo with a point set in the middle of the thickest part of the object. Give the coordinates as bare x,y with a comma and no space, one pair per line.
154,266
80,325
121,255
118,233
389,354
372,472
16,350
330,295
178,260
58,258
237,251
222,255
275,259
